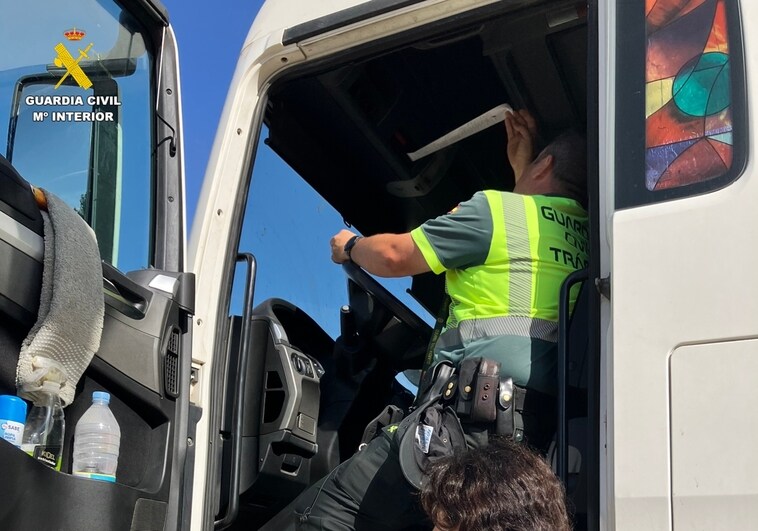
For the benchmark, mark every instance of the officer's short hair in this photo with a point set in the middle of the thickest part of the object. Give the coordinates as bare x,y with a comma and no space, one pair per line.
569,151
504,486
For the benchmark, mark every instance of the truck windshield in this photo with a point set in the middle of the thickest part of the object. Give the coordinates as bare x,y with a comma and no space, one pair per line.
287,226
75,102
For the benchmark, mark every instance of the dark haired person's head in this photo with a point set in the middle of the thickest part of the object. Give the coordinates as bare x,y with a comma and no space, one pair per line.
559,168
503,487
569,151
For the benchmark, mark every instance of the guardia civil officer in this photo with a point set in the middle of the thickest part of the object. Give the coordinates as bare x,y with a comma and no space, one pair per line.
504,255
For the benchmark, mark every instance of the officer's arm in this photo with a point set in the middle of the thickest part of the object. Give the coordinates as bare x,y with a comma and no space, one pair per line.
384,255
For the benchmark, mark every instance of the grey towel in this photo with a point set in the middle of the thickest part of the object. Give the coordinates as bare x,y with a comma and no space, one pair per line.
70,322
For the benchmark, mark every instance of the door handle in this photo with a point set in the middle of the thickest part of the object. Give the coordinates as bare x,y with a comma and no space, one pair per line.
232,508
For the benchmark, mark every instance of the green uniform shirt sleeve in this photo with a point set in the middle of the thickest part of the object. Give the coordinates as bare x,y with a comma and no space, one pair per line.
427,251
459,239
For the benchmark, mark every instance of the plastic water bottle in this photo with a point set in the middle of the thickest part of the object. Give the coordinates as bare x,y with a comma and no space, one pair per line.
96,441
45,425
12,418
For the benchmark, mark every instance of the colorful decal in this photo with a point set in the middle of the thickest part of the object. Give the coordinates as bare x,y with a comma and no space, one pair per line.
688,93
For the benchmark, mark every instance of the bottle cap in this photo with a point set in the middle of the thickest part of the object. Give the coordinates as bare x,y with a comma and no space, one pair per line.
102,396
12,408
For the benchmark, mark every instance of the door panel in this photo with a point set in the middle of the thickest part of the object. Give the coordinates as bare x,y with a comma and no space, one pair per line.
680,269
726,478
144,360
154,424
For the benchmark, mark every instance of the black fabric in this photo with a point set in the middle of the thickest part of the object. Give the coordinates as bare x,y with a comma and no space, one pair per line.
372,491
10,346
369,492
389,415
365,493
428,434
539,416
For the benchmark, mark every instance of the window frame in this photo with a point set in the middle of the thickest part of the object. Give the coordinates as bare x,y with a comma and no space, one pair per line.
630,188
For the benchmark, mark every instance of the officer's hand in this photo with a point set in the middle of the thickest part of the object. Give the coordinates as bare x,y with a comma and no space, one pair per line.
338,242
522,132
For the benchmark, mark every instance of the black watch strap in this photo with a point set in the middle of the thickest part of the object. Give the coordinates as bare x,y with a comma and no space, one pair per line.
350,244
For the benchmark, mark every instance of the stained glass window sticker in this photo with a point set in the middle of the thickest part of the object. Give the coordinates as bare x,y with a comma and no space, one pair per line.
688,93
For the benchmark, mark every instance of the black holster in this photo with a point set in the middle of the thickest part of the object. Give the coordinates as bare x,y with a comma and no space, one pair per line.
510,404
435,383
475,392
431,387
484,397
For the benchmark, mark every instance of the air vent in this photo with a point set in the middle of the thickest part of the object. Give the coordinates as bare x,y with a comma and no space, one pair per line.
171,365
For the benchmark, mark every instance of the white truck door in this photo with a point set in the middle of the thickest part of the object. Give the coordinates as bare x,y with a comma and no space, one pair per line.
92,114
284,35
681,348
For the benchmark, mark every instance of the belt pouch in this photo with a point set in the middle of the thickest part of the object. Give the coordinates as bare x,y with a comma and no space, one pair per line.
466,380
484,401
505,410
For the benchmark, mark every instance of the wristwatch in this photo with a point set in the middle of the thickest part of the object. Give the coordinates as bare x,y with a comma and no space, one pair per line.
350,244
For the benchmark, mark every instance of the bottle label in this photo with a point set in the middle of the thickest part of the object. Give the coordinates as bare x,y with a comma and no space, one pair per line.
11,431
50,455
100,477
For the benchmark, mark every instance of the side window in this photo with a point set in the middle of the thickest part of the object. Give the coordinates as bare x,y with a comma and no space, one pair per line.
693,101
287,226
75,102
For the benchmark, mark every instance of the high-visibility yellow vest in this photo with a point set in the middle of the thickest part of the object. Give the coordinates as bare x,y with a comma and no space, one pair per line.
512,287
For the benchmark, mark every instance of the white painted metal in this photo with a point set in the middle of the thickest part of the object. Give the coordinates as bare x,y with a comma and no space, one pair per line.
606,172
714,464
211,244
683,273
682,276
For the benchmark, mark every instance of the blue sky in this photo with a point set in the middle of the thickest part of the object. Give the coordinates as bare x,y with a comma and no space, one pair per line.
210,37
287,225
278,242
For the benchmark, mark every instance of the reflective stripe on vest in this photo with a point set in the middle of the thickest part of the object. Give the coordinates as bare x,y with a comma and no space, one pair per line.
454,338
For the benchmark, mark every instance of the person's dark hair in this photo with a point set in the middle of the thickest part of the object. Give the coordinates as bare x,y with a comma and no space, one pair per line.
569,151
503,487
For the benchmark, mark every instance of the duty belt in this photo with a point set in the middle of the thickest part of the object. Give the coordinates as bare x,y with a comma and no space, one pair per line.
478,394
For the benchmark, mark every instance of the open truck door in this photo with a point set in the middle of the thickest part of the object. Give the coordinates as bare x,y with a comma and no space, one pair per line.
89,98
333,97
678,215
342,91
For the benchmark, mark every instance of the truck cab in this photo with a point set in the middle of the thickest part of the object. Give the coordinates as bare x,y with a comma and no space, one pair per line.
254,375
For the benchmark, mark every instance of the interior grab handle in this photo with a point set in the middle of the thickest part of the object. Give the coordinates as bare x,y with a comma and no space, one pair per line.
232,508
564,318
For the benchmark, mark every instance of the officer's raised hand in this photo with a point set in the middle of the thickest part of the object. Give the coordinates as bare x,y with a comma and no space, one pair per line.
522,132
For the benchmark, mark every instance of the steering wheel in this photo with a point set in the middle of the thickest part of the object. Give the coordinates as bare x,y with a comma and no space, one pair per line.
369,284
